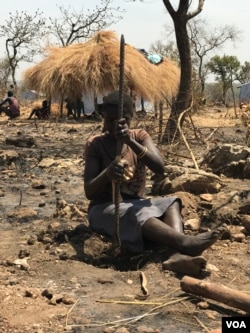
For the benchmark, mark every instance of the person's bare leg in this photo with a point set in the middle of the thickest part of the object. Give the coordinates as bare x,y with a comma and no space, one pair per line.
172,216
162,234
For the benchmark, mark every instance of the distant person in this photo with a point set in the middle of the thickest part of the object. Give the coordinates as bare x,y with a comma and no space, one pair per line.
74,107
78,107
70,107
12,88
41,113
12,110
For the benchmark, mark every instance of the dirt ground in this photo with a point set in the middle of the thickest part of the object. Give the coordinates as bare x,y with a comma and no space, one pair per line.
57,276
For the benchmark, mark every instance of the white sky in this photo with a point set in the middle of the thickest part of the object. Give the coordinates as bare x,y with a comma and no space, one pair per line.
144,23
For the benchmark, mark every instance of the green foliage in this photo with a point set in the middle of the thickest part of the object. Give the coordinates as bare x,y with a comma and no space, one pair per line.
224,68
226,71
244,73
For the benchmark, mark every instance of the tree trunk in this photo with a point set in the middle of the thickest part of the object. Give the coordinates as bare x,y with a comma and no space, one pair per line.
235,109
183,99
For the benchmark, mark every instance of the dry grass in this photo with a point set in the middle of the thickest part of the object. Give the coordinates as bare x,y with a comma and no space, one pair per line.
94,66
211,117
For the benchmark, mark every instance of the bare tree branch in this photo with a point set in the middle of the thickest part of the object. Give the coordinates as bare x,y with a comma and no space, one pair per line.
196,12
22,33
75,26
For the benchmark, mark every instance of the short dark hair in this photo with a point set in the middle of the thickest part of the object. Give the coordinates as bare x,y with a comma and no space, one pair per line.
112,100
10,93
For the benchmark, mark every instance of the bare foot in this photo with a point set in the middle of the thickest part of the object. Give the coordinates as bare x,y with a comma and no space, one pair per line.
181,263
195,245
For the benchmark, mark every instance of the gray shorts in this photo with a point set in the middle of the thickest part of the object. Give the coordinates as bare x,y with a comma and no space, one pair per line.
133,214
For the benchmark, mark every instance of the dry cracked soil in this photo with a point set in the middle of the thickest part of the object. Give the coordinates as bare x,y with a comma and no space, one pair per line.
57,276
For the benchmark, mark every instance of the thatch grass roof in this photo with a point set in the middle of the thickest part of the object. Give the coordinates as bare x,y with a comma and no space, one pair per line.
94,66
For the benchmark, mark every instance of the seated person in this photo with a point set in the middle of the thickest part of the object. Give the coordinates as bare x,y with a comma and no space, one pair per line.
12,110
158,219
41,113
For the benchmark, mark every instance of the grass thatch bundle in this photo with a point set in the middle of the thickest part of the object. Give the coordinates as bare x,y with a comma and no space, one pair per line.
94,66
168,74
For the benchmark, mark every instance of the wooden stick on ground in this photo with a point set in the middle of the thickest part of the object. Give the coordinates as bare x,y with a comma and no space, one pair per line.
184,138
217,292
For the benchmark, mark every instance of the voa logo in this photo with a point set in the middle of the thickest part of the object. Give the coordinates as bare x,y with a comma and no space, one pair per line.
235,324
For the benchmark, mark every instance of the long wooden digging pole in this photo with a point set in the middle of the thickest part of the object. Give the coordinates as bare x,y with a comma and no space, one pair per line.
116,185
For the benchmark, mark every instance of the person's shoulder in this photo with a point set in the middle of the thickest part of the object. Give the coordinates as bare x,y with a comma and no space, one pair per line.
139,134
138,130
95,138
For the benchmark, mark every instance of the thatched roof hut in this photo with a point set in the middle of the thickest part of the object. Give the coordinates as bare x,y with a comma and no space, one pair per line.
94,66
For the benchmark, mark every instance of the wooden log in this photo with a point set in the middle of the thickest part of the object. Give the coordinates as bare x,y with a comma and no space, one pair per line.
217,292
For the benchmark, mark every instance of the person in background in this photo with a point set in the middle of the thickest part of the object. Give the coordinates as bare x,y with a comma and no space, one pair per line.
78,107
70,107
157,220
12,110
41,113
12,88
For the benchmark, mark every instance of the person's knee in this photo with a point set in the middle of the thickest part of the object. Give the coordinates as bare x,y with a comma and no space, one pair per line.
176,205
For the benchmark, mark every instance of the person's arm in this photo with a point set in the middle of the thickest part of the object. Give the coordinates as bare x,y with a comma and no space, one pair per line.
149,154
95,181
147,151
4,101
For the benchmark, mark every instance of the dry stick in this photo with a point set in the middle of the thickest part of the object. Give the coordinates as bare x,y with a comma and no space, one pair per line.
21,197
149,313
144,283
184,139
116,323
201,324
125,321
113,301
192,123
158,307
211,134
71,309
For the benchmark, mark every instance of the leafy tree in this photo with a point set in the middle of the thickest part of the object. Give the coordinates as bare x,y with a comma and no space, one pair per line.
225,70
244,73
203,41
4,72
74,26
22,33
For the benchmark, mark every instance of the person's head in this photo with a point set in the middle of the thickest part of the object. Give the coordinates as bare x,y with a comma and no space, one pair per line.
10,93
45,103
111,109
